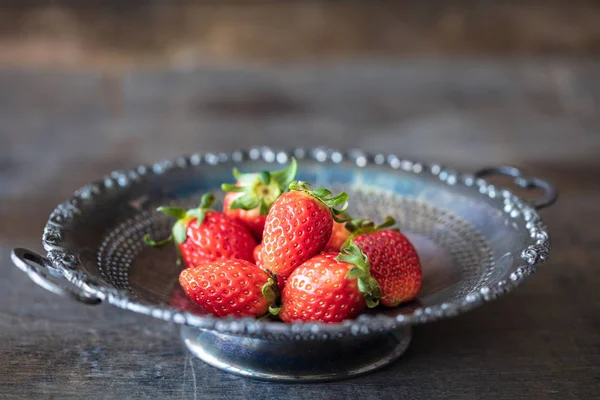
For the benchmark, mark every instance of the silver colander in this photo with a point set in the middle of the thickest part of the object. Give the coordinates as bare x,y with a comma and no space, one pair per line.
476,242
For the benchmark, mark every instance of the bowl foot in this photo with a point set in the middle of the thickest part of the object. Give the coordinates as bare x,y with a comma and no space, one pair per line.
296,360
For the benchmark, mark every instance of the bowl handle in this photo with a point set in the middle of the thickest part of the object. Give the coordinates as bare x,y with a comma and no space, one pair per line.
522,181
40,270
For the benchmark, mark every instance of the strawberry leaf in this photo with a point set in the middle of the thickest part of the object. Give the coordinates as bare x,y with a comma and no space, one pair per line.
236,174
322,192
264,208
377,292
245,202
284,176
353,225
174,212
340,215
354,273
265,177
179,232
387,222
270,291
324,196
362,285
160,243
228,187
274,310
260,189
353,254
371,303
361,271
207,201
362,226
197,213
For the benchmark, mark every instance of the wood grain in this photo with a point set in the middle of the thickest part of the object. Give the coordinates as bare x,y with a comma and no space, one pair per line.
61,129
120,34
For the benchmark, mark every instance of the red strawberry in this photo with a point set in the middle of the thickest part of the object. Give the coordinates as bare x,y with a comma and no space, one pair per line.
339,235
180,300
329,287
250,218
256,255
250,199
202,234
258,262
343,230
229,287
298,227
394,263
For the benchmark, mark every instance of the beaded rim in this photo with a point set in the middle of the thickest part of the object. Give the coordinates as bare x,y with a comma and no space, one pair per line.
65,261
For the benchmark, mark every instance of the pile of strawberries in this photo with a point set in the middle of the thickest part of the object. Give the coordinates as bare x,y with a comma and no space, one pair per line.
280,248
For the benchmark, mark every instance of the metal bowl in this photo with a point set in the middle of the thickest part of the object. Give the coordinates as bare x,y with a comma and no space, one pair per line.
476,242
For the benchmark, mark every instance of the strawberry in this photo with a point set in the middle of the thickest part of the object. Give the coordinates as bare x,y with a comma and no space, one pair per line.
329,287
256,255
230,287
339,235
298,227
342,231
394,262
250,199
202,234
258,262
180,300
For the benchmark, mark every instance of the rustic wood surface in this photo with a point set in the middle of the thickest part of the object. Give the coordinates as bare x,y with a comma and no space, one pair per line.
61,129
119,34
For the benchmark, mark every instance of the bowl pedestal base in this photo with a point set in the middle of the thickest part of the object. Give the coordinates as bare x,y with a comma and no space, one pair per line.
297,360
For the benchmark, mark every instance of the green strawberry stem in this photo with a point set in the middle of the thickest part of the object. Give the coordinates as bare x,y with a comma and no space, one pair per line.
360,226
260,190
178,232
326,197
361,271
160,243
271,292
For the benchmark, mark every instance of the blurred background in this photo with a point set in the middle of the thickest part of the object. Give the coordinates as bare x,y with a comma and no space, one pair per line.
184,34
90,86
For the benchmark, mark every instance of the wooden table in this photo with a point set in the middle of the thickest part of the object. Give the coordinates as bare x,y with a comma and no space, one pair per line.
60,129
